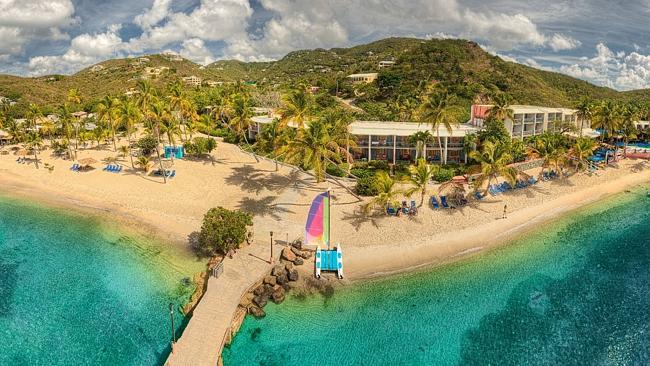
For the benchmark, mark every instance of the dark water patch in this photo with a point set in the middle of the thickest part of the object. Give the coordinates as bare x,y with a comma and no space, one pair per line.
8,283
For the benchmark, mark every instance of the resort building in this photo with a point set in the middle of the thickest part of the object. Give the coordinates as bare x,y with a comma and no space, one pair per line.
172,56
386,64
192,80
642,125
529,120
389,141
363,78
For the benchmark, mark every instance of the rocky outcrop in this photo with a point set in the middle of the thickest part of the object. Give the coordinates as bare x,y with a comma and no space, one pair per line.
256,312
288,254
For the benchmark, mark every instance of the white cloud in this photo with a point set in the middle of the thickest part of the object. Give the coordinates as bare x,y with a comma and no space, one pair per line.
194,49
502,31
84,50
158,12
560,42
22,21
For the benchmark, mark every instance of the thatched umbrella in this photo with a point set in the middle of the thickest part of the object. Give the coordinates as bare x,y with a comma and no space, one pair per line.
454,190
87,161
22,152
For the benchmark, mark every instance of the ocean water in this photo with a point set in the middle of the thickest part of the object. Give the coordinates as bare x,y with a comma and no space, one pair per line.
75,291
576,292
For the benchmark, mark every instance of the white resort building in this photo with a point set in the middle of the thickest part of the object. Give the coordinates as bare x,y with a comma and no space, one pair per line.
363,78
192,80
389,141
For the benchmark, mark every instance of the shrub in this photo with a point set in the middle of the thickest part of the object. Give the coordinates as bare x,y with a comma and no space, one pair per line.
444,174
147,145
362,173
200,146
367,186
222,230
335,170
230,137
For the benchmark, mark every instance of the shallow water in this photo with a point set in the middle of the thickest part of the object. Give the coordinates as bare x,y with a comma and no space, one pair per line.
75,292
577,292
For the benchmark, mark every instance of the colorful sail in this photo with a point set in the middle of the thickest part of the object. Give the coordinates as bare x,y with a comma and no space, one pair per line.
318,221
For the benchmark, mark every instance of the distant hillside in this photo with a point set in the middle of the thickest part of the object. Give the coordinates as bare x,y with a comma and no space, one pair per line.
462,66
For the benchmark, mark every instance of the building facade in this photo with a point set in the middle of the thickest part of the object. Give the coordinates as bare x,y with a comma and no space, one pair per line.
363,78
529,120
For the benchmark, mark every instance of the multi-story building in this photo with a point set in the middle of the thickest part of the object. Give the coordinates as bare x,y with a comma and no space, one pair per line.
530,120
363,78
192,80
386,64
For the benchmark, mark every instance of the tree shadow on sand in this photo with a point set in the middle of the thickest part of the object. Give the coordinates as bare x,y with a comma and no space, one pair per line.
263,207
253,180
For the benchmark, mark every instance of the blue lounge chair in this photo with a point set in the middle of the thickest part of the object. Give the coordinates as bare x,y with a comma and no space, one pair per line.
172,174
390,210
434,202
493,190
75,167
443,201
478,195
532,181
118,168
414,208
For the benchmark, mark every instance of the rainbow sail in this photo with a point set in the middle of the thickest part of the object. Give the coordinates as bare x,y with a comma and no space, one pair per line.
318,221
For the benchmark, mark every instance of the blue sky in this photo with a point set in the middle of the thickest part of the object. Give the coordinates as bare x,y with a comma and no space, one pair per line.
597,40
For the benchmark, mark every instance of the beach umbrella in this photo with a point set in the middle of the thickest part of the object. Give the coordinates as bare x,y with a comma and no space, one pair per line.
22,152
87,161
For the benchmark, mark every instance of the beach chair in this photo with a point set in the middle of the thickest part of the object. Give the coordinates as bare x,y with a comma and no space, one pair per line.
414,208
118,168
434,203
478,195
75,167
493,190
172,174
532,181
390,210
443,201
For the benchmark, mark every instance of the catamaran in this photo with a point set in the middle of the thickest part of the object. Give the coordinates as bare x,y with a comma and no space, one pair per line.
317,232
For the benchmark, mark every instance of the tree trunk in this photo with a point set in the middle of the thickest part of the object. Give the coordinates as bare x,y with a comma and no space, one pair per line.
164,173
128,136
35,159
439,145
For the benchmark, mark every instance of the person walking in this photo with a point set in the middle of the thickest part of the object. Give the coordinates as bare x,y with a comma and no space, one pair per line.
505,212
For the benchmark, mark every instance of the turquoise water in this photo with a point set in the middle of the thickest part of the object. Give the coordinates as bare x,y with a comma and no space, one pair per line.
73,292
575,293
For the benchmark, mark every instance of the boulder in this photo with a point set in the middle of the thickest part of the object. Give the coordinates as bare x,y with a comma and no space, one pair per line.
288,255
261,300
246,300
299,261
306,254
270,280
297,244
259,290
289,267
282,279
286,287
296,251
278,270
293,275
268,290
278,295
256,312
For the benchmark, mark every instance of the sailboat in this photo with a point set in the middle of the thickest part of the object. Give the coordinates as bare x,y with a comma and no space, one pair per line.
317,232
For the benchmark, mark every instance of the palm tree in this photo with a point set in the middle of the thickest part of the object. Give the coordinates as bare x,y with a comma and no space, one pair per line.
470,143
34,116
607,117
107,110
66,125
419,177
312,148
34,142
158,112
550,148
500,109
627,127
297,108
124,150
5,109
494,159
241,114
388,193
339,121
144,163
420,139
129,115
74,97
584,112
582,149
438,110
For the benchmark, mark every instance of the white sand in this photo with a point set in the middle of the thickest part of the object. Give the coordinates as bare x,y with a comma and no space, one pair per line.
280,201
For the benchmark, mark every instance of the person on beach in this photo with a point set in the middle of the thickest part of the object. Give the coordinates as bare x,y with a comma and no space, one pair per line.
505,212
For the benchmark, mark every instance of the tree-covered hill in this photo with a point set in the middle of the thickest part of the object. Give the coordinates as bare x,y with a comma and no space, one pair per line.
461,66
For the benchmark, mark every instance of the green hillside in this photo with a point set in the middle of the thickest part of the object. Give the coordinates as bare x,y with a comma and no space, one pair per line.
461,66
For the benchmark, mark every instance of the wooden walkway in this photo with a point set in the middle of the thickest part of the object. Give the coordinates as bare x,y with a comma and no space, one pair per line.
203,339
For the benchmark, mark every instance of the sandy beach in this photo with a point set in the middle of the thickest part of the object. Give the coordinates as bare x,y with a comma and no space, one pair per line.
373,246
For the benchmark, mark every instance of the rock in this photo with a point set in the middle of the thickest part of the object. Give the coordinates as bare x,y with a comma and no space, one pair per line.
278,270
268,290
306,254
246,300
296,251
288,255
259,290
299,261
297,244
289,267
293,275
282,279
256,312
286,287
278,296
260,301
270,280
